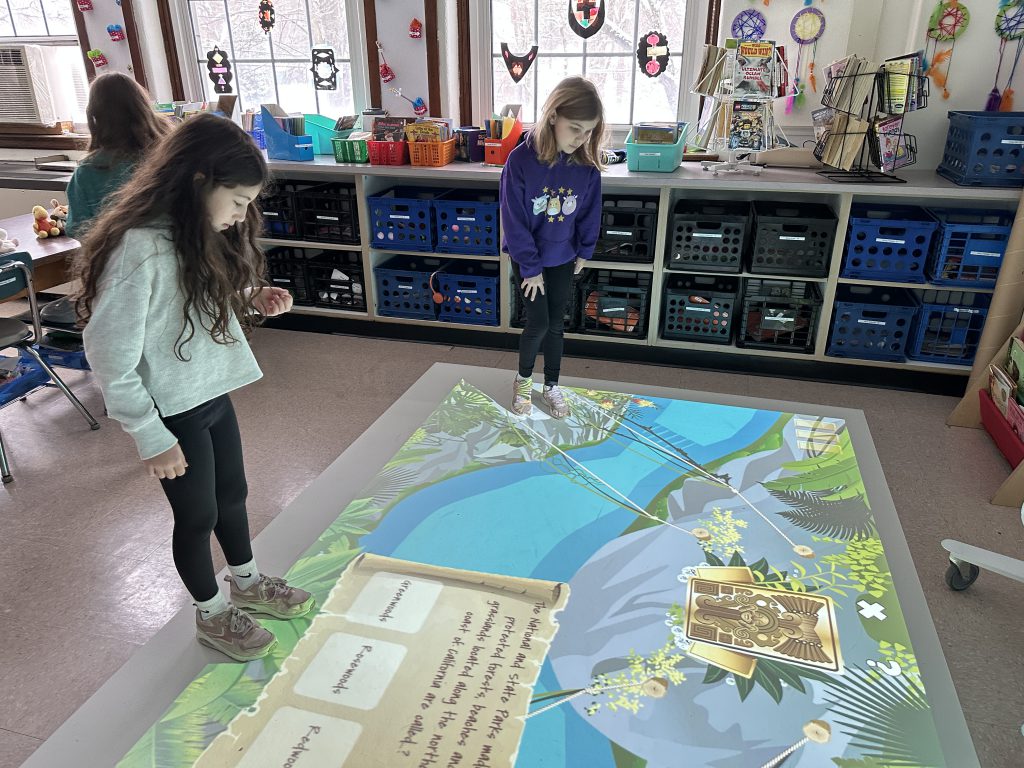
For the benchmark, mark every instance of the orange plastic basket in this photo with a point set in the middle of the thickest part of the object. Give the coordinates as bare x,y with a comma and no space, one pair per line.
432,154
388,152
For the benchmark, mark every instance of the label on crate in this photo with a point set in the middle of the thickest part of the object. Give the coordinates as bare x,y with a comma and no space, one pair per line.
698,309
965,311
465,218
985,253
270,213
618,232
871,322
326,218
1012,141
398,216
717,236
649,154
405,287
890,240
791,237
467,290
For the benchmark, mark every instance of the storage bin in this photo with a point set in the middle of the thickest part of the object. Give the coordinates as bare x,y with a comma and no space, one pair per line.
388,152
469,293
792,239
948,326
402,219
329,213
405,287
466,221
710,237
350,151
431,154
700,308
280,216
984,149
287,267
871,322
1007,439
629,227
571,318
30,376
336,280
615,303
662,158
969,247
889,243
780,315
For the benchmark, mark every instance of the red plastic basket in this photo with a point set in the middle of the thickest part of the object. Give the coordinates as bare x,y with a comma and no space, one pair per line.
388,152
1003,434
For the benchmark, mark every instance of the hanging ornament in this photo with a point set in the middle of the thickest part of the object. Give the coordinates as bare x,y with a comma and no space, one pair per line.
267,15
84,5
517,66
97,58
419,106
948,22
652,54
387,74
749,25
219,69
416,29
806,28
586,17
1009,26
325,72
116,32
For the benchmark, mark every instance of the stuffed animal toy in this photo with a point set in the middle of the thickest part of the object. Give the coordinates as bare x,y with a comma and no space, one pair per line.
6,246
59,214
44,226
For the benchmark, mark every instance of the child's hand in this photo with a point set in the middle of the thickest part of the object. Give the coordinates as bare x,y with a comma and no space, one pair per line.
272,301
580,264
167,465
532,285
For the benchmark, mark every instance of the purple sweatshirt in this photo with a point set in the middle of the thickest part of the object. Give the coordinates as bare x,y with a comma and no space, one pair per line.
549,214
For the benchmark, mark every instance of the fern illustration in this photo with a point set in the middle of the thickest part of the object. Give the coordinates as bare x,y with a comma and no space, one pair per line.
837,518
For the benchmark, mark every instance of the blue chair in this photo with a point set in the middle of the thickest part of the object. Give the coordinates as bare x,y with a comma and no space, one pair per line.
15,277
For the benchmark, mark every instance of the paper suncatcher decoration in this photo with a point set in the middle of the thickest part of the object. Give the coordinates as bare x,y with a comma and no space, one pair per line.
586,17
267,15
652,54
517,66
219,69
325,72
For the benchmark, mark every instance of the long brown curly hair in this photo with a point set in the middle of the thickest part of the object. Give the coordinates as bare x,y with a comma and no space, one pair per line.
122,123
173,184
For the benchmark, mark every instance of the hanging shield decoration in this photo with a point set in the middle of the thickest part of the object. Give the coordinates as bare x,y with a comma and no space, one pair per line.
325,72
586,17
517,66
219,67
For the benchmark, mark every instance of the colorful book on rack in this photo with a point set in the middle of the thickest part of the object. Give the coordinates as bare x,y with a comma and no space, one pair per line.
748,126
389,128
822,120
892,151
897,85
712,67
437,129
781,72
915,81
755,68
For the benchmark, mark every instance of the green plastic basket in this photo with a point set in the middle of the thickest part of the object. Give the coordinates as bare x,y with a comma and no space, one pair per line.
350,151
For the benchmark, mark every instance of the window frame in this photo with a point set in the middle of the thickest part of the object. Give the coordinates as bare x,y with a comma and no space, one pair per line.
481,40
46,39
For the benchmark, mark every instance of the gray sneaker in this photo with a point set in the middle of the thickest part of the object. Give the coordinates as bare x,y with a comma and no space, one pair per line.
234,634
555,400
522,392
272,596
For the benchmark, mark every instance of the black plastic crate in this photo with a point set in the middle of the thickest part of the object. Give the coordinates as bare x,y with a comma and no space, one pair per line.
572,309
700,308
336,280
780,315
280,215
288,267
792,239
329,213
710,237
469,293
629,226
872,322
615,303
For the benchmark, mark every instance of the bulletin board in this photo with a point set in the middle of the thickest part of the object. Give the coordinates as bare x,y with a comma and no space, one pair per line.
122,55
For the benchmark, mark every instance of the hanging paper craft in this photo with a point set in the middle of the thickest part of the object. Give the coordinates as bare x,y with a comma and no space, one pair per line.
97,58
517,66
219,69
267,15
419,106
652,54
586,17
415,29
749,25
84,5
116,32
1009,26
387,74
806,28
948,22
325,73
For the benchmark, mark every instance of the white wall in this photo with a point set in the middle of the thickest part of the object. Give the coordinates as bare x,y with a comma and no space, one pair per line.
407,57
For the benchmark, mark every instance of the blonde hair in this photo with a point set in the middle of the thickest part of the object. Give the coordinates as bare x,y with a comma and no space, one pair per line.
575,98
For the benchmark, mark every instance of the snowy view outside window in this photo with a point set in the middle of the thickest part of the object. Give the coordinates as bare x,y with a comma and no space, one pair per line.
33,18
608,58
274,68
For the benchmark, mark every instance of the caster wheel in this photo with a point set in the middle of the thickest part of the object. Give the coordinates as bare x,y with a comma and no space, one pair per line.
94,427
955,579
8,479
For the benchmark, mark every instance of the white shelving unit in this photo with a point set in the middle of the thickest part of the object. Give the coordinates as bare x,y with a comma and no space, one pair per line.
774,184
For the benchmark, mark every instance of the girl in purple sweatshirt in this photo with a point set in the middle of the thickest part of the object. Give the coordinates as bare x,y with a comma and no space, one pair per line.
550,218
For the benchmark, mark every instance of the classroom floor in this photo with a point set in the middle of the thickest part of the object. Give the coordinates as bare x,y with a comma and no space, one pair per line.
86,561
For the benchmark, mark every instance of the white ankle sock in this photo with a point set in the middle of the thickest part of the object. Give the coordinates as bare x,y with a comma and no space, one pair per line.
215,605
245,575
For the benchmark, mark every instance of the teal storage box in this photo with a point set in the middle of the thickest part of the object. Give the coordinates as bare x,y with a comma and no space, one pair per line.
322,130
663,158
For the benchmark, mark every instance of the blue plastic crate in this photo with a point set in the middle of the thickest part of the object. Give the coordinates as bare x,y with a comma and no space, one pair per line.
890,242
404,287
65,358
948,326
984,149
470,293
466,221
31,376
402,219
871,322
970,246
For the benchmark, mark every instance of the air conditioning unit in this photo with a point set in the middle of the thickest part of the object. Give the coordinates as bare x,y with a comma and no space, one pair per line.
28,98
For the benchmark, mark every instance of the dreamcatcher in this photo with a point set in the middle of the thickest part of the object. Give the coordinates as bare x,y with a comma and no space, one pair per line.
749,25
1009,26
949,20
807,27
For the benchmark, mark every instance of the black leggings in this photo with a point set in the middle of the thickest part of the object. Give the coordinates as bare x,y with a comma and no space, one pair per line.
545,321
210,496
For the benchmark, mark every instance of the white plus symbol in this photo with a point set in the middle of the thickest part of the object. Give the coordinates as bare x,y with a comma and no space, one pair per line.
871,610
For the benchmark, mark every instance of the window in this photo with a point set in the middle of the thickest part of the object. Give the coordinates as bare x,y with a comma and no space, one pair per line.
608,58
35,19
275,67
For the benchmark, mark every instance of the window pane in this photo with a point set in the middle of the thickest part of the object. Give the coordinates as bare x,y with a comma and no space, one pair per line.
618,35
551,71
330,27
295,87
512,22
508,92
28,18
210,24
6,27
255,85
613,77
657,98
335,104
555,35
291,30
667,18
59,19
249,39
